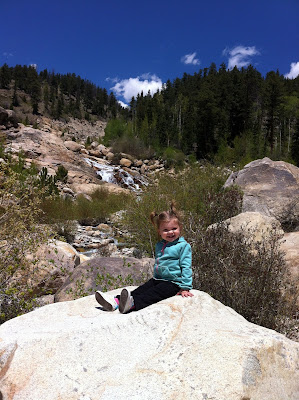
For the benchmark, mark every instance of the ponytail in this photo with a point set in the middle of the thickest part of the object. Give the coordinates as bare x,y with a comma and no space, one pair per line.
172,213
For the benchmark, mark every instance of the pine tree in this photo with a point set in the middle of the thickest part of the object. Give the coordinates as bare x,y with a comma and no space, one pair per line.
5,76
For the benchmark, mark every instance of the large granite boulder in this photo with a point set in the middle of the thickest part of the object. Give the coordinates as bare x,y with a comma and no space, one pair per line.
102,273
56,261
290,246
254,225
269,187
8,118
180,348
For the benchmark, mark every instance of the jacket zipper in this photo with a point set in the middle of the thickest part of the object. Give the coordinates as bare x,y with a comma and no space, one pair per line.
162,251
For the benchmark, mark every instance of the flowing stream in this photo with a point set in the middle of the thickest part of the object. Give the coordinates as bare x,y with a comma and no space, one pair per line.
117,175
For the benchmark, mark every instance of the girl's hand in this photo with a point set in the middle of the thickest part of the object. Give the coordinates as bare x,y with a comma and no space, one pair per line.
185,293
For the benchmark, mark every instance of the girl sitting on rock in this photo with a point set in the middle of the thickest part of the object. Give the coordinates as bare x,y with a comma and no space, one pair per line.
172,269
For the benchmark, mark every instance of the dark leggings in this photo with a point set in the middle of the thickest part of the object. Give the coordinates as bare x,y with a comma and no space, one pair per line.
153,291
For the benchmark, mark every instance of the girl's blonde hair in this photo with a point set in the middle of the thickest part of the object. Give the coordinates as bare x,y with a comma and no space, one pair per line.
165,216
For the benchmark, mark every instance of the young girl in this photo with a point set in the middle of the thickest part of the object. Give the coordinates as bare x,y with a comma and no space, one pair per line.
172,269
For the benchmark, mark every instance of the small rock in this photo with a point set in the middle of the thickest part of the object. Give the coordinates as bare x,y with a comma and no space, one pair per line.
109,156
73,146
125,162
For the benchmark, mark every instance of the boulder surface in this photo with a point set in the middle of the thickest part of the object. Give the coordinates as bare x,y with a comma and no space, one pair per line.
269,187
180,348
95,273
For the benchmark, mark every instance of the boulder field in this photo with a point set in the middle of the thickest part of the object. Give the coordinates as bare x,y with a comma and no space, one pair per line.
180,348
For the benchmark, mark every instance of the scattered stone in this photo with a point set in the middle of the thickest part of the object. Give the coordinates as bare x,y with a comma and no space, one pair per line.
110,156
143,169
73,146
125,162
56,260
138,163
67,190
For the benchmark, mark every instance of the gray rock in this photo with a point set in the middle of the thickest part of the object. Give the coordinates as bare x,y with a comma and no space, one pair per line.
8,118
181,348
89,274
73,146
254,225
125,162
269,187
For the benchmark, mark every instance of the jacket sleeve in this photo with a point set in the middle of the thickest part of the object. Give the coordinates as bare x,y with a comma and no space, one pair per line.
186,267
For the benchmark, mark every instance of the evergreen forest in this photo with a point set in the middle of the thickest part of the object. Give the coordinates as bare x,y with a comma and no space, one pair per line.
225,116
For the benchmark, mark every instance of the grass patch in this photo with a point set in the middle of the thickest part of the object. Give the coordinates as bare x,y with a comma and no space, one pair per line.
91,210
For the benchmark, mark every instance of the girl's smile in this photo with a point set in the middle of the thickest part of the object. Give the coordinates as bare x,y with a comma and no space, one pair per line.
169,230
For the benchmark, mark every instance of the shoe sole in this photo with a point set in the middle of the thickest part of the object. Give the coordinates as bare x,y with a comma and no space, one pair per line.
124,296
103,302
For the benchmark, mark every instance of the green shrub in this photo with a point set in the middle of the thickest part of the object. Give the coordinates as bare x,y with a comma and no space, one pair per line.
61,174
20,236
173,157
115,129
84,210
133,146
248,276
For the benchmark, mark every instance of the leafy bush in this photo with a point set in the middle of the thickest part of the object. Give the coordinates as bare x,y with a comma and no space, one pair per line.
105,280
133,146
173,157
289,216
84,210
61,174
246,275
20,235
115,128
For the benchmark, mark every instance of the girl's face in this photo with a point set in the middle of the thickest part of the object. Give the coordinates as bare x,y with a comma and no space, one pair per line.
169,230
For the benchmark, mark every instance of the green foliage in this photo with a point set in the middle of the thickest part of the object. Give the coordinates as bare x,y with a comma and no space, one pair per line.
104,280
115,128
133,146
89,211
20,235
61,174
47,182
190,188
243,274
173,157
58,95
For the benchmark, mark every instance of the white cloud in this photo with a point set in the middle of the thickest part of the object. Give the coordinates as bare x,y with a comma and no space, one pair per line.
127,88
294,71
7,55
113,80
240,56
190,59
33,66
124,105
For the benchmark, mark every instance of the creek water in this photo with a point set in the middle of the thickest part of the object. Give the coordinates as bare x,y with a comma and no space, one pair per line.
117,175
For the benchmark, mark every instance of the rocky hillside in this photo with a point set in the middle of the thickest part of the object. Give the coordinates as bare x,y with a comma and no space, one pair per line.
75,145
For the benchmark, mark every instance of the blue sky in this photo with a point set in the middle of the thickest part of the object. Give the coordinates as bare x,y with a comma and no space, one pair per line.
129,46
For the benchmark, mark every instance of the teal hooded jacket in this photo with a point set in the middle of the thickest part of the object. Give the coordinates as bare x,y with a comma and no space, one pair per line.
174,262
